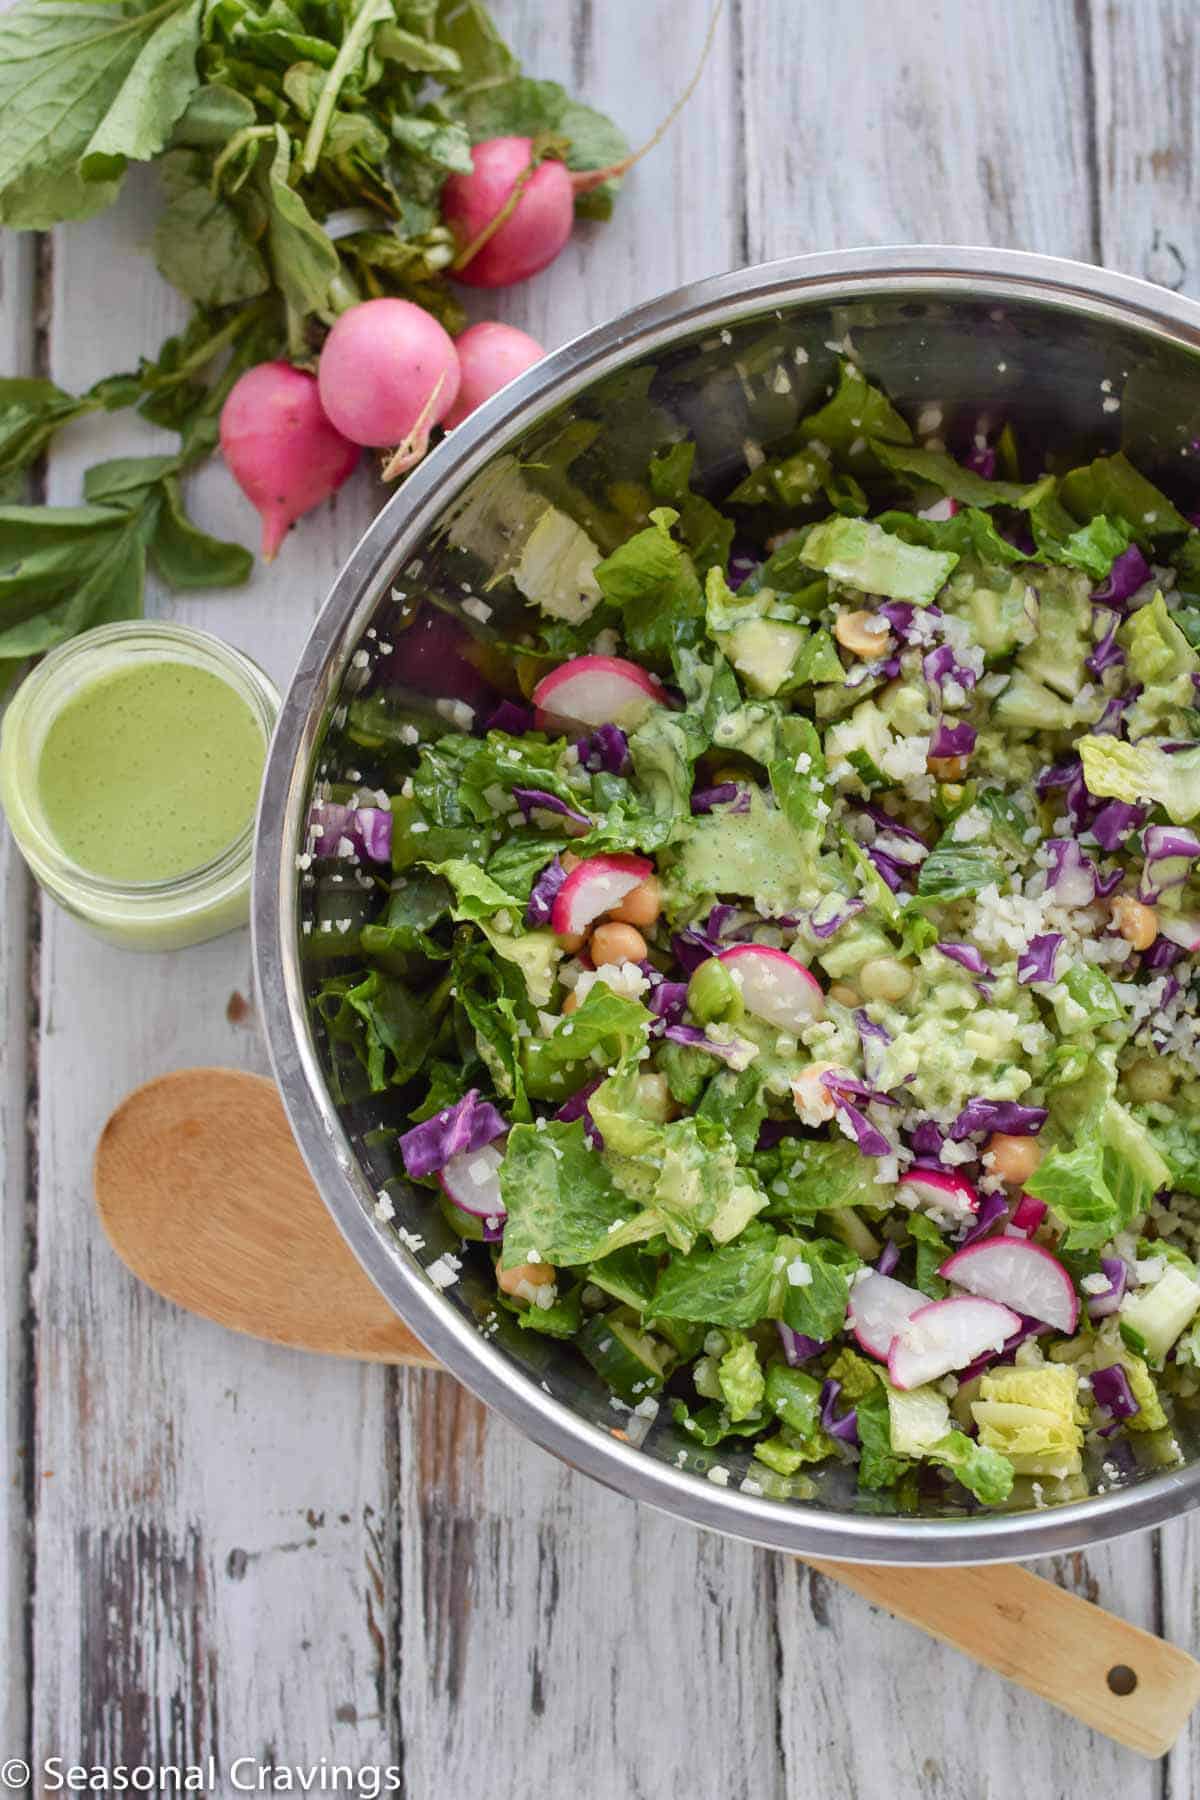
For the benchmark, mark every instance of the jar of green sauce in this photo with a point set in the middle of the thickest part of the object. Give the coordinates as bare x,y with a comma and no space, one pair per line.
130,764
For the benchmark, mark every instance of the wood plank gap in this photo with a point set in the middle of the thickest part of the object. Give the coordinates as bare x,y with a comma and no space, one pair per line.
741,224
390,1627
1087,52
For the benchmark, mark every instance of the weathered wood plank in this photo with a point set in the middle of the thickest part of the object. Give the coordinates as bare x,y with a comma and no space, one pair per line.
1146,63
16,357
956,125
564,1626
205,1504
945,123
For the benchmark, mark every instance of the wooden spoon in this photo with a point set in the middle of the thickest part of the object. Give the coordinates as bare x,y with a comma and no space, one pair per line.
203,1194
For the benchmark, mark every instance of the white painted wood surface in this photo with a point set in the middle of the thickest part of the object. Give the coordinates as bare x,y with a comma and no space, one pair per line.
224,1547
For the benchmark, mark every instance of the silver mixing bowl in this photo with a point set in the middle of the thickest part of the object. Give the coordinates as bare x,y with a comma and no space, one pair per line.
733,361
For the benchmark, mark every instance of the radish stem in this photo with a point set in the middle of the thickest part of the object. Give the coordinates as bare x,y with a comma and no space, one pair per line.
371,14
585,181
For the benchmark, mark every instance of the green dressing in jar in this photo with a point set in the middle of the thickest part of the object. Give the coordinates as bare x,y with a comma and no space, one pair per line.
129,769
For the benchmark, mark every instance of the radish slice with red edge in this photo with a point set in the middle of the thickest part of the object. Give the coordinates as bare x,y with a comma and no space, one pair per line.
472,1181
947,1335
1028,1214
594,887
937,1193
1015,1272
775,987
596,690
878,1308
1181,928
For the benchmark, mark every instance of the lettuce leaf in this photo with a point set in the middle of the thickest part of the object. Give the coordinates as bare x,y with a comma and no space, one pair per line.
858,411
605,1030
859,554
730,1285
806,1176
942,471
1143,772
559,1195
879,1466
1111,485
983,1470
707,533
654,582
1092,1190
741,1380
818,1309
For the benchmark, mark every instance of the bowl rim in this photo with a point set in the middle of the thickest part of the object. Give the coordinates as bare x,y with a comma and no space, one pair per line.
449,1335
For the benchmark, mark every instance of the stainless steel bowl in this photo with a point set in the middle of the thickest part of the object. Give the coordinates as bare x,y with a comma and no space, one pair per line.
1077,358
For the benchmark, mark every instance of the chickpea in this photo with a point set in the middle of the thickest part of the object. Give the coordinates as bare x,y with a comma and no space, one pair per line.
844,994
1137,924
617,944
641,906
570,1004
534,1275
810,1096
726,774
572,941
655,1098
947,768
884,978
1013,1158
859,632
1147,1082
569,860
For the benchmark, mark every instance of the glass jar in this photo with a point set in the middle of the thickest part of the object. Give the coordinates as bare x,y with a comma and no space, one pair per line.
168,914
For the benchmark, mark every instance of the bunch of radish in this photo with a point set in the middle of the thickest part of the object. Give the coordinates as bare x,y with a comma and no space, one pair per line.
388,372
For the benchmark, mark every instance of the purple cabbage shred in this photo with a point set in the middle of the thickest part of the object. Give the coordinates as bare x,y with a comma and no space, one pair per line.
797,1348
968,957
1129,572
531,800
1036,962
542,894
1112,1392
726,793
838,1425
604,751
1006,1116
510,718
468,1125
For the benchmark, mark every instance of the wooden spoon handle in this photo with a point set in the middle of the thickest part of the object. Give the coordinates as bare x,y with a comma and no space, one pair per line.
1115,1677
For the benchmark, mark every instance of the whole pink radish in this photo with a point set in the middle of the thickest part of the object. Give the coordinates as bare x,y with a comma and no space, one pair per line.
514,212
281,448
490,355
388,374
534,231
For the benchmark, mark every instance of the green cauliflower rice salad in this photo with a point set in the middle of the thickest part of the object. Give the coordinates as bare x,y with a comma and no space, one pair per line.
772,948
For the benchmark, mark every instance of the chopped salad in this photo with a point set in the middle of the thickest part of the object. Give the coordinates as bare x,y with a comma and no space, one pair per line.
772,948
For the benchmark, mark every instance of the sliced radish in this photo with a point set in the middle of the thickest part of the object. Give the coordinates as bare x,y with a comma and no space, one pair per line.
1181,928
596,690
938,1193
775,987
1028,1214
947,1335
945,508
472,1181
594,887
1017,1273
878,1308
